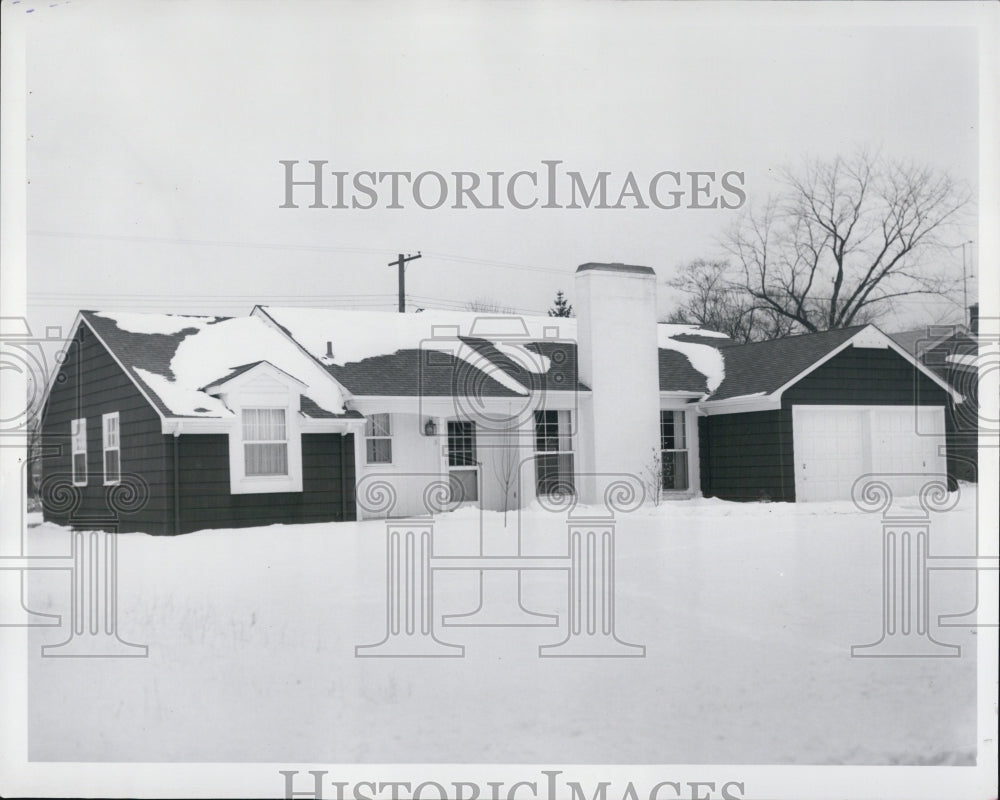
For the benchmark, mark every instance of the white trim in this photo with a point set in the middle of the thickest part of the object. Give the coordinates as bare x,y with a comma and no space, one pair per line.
870,337
267,319
689,457
283,394
339,425
262,366
744,404
569,434
78,434
381,437
171,426
105,419
672,395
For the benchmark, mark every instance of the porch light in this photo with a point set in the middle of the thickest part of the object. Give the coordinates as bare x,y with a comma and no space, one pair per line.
430,427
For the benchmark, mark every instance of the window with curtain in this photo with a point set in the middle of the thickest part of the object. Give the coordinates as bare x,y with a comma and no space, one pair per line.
378,439
112,449
265,442
673,450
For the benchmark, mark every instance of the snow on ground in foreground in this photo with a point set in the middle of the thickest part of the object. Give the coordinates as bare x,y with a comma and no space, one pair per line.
748,613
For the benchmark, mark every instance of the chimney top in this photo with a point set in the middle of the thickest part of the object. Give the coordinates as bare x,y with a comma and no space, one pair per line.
974,319
616,267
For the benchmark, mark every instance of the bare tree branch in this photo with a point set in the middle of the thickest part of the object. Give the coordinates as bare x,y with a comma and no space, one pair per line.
843,239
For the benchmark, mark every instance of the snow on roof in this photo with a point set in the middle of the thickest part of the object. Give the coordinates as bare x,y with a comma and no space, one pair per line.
165,324
212,350
704,358
357,335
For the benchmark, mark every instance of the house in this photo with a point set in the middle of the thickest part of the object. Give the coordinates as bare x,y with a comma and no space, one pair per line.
168,423
952,352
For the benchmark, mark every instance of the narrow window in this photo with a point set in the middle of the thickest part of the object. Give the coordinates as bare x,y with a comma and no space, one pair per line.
463,472
673,450
112,449
553,452
378,439
78,432
265,442
461,444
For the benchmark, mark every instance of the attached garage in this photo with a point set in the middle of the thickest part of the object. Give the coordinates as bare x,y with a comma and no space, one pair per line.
802,418
834,445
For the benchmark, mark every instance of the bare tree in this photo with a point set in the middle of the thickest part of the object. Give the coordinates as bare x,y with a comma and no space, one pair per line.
487,305
653,477
714,299
846,238
505,458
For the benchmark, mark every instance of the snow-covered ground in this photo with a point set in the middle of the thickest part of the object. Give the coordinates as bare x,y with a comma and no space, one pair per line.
748,613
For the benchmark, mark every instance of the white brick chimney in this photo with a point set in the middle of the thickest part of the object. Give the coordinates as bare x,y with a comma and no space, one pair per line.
618,359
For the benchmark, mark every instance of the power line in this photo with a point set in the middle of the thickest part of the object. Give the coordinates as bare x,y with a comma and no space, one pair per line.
290,247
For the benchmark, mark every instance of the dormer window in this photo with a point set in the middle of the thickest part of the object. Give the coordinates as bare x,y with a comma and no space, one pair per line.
265,438
265,442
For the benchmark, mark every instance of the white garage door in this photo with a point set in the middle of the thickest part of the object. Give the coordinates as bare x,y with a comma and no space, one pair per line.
835,445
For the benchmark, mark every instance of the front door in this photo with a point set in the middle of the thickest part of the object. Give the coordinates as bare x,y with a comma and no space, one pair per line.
463,468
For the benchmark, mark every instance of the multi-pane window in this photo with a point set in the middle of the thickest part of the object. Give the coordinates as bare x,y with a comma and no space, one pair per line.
78,434
265,442
461,444
462,473
112,449
553,452
378,439
673,450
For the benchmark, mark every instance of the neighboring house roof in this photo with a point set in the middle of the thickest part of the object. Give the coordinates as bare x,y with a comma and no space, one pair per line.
176,360
947,349
764,367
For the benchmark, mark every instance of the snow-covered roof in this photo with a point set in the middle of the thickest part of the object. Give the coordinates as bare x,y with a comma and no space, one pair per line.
518,345
176,358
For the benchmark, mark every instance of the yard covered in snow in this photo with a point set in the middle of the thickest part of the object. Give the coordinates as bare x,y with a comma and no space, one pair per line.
747,611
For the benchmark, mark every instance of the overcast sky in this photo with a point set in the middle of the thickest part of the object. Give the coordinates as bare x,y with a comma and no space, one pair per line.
155,132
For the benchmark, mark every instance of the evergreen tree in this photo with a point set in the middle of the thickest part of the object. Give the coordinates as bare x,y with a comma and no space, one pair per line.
562,308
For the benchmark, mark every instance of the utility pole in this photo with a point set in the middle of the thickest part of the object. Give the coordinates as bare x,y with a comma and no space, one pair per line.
400,262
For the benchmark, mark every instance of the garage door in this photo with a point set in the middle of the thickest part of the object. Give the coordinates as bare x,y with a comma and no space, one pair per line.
835,445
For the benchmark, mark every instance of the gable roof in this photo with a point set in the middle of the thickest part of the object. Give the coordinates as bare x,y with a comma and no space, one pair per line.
764,367
176,360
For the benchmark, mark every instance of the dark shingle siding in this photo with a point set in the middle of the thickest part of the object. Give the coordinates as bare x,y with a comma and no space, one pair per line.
327,495
89,384
865,376
747,457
